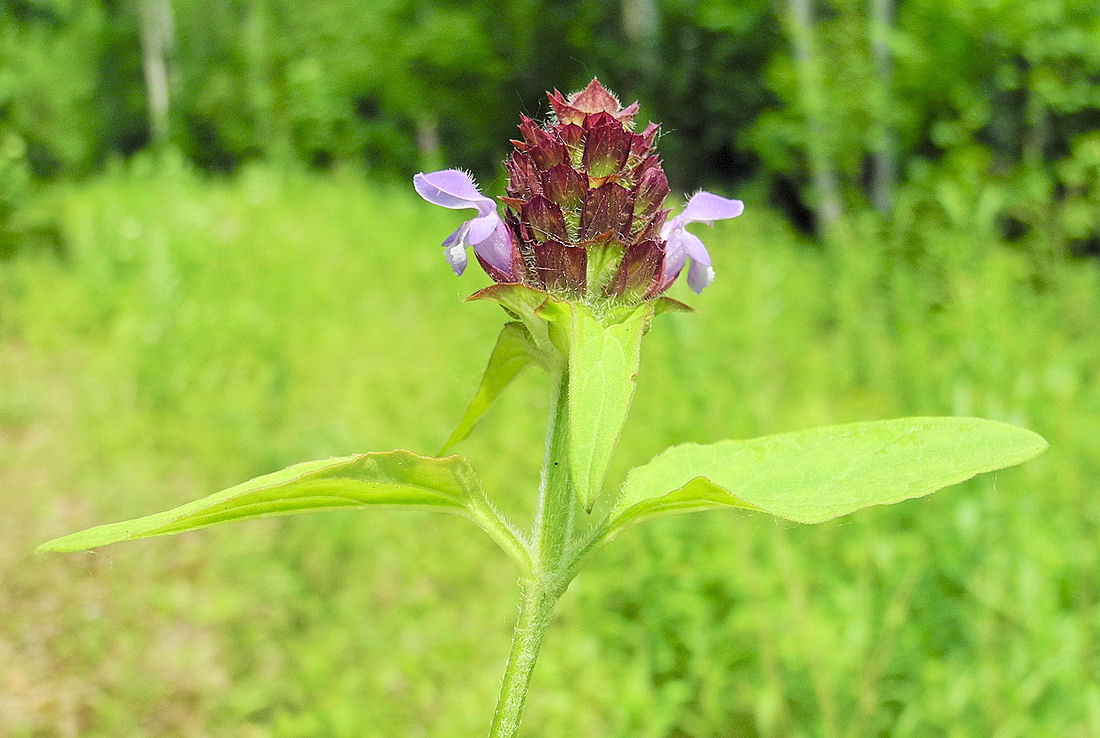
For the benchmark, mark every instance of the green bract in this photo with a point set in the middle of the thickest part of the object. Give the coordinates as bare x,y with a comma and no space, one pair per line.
599,352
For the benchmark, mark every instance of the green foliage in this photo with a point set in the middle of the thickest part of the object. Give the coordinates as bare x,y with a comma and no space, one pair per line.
49,74
205,331
603,372
511,355
23,225
1006,87
14,187
815,475
396,479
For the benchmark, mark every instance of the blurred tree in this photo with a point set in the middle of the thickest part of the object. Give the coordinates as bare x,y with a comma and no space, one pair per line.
49,54
157,43
641,26
884,143
834,105
814,110
14,189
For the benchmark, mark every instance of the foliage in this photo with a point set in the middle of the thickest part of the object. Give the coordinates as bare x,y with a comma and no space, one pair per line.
199,335
1006,89
22,224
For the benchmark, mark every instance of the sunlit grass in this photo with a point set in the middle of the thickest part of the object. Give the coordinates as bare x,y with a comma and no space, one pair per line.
200,332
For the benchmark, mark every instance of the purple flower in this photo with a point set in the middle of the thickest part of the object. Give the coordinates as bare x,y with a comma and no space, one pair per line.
491,239
584,212
704,207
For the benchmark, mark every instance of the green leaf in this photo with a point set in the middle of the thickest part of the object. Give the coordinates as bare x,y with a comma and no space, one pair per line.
522,302
668,305
815,475
394,479
603,367
514,350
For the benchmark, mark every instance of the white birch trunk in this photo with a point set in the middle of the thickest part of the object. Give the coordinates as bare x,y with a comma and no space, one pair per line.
641,25
885,152
799,19
158,38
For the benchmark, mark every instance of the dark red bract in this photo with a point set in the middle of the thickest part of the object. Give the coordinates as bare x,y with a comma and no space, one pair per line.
585,196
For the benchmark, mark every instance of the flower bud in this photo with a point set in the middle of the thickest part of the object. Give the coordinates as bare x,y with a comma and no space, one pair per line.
585,196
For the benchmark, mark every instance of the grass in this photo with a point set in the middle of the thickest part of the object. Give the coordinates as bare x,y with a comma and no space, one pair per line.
200,332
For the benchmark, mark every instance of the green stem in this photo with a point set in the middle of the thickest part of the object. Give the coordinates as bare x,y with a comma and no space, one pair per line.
551,535
492,522
557,501
535,610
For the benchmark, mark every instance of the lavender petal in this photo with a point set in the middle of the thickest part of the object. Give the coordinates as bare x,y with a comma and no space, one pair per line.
451,188
706,207
454,248
482,227
675,255
701,273
694,248
699,276
496,248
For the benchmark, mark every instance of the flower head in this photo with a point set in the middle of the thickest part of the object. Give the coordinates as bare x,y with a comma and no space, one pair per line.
584,208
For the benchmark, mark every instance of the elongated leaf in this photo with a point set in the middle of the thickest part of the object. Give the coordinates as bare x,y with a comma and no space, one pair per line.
814,475
514,350
603,368
398,479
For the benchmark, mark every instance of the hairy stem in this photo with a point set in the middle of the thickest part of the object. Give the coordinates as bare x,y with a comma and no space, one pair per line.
535,609
550,570
501,531
557,501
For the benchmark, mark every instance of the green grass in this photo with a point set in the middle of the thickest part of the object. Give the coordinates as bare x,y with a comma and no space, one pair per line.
201,332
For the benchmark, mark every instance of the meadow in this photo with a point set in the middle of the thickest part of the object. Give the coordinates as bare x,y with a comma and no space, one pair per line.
199,331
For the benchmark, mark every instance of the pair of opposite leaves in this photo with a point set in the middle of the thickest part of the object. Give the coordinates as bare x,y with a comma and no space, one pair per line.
806,476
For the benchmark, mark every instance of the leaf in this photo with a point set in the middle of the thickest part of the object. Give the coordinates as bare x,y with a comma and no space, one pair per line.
514,350
399,479
815,475
521,302
603,367
668,305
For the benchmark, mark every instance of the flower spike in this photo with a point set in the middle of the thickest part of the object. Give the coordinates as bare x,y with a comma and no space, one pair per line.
584,209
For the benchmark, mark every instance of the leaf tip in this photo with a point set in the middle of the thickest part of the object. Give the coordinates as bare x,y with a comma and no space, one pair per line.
56,545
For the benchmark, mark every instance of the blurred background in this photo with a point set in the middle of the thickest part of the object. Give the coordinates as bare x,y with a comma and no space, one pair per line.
212,265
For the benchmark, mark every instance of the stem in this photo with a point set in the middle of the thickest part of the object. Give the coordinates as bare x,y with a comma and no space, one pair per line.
550,570
500,530
536,607
557,500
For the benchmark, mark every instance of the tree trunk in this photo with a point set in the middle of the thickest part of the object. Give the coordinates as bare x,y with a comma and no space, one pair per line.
158,38
885,145
271,128
808,73
641,25
427,143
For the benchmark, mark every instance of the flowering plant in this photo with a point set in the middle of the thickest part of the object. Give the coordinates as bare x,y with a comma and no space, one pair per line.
582,257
